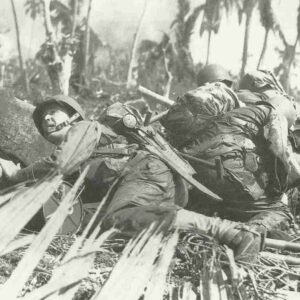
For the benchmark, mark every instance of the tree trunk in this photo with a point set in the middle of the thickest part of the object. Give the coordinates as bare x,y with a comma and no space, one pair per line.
264,48
249,12
21,63
132,74
208,46
75,8
2,76
58,68
84,76
19,137
167,88
291,60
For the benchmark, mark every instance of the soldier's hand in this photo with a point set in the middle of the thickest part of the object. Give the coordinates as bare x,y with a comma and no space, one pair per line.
9,168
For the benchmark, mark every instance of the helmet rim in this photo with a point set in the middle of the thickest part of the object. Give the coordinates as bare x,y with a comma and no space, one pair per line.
213,73
61,100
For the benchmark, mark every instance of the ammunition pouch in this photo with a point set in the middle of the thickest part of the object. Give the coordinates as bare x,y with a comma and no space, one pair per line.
251,161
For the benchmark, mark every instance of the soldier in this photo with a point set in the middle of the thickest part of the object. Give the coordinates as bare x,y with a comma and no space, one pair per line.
212,97
147,189
260,85
53,118
247,140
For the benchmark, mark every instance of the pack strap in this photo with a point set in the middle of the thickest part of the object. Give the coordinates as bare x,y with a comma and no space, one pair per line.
125,151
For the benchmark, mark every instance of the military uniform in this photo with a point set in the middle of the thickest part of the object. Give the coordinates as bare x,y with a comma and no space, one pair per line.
145,191
254,179
195,108
262,85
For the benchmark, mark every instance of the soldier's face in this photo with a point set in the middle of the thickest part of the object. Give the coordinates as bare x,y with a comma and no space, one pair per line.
52,116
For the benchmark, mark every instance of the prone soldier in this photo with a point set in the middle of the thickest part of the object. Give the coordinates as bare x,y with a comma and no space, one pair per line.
146,190
213,96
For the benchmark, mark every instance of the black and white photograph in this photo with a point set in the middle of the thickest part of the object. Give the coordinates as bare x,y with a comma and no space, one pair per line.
150,150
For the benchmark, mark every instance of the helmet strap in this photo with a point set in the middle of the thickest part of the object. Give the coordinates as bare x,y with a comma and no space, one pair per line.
65,123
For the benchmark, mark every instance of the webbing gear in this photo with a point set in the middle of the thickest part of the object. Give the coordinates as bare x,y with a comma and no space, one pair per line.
124,151
217,166
169,156
153,142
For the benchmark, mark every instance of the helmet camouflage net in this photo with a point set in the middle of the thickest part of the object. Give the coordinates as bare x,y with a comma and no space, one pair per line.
256,80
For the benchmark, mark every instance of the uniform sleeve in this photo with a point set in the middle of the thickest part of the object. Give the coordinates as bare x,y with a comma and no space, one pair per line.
78,146
276,133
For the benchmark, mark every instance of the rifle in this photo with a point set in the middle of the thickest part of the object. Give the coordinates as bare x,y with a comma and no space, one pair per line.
150,119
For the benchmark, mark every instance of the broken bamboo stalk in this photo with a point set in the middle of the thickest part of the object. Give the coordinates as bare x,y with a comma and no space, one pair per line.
290,260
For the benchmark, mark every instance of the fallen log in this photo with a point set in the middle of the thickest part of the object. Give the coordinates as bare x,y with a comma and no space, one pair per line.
19,139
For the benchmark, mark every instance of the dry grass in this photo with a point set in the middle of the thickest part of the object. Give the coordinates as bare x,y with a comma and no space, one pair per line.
146,267
94,266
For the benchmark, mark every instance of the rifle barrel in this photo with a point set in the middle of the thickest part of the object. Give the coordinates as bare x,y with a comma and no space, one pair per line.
159,98
199,160
283,245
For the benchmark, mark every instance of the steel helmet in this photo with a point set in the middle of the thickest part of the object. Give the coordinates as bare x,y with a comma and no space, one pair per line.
286,107
213,73
64,101
256,80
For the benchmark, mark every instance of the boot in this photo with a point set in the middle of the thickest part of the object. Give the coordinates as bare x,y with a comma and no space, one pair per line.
245,243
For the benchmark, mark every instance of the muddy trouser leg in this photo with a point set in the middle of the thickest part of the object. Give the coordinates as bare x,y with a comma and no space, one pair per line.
242,189
131,220
275,221
245,242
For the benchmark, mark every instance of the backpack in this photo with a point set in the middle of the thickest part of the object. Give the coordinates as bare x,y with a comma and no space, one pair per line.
195,108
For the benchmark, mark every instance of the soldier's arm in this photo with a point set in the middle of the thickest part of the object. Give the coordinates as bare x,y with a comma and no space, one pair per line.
77,147
293,177
276,133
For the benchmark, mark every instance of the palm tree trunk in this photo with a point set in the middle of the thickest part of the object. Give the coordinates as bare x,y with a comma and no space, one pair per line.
264,48
84,76
292,58
23,70
167,88
133,65
58,67
208,46
246,38
51,61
